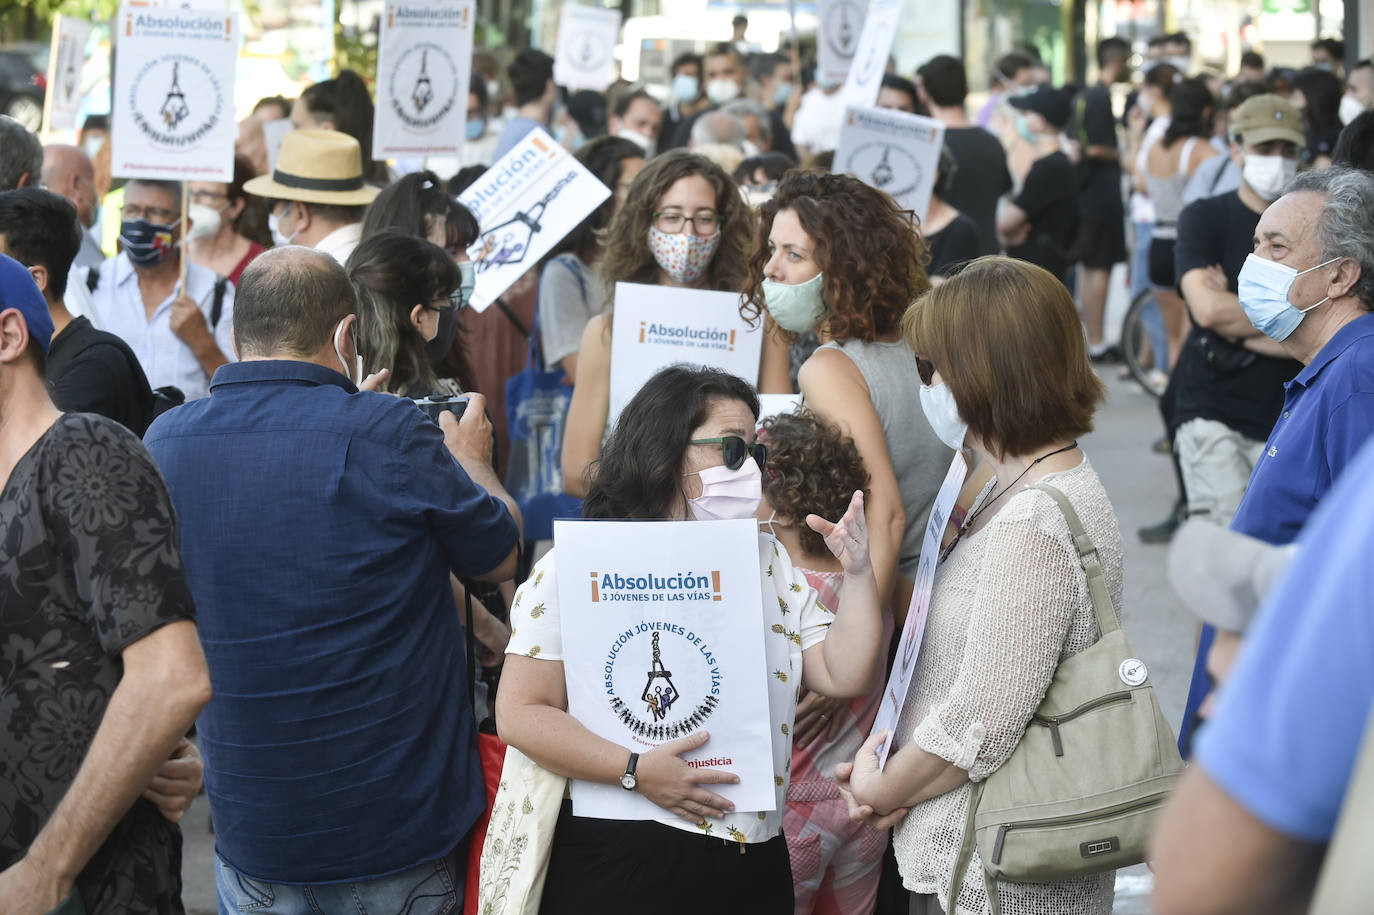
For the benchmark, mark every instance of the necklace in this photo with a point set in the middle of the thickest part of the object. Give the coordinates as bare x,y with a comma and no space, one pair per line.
968,522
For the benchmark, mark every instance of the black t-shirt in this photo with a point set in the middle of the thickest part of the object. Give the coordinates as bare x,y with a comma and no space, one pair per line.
1050,198
980,179
91,371
1216,378
953,245
89,545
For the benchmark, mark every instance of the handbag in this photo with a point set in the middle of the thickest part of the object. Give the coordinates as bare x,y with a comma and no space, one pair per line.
536,413
519,838
1080,792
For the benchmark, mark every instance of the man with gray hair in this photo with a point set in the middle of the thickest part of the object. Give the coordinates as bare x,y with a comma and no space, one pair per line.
719,128
21,155
758,129
68,171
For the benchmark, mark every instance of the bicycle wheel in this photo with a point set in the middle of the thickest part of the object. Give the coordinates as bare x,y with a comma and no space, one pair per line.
1137,350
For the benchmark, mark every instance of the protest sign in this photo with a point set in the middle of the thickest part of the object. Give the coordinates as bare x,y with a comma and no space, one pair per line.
894,694
424,56
837,37
68,55
174,95
511,202
585,56
663,636
869,63
656,326
774,404
896,152
273,132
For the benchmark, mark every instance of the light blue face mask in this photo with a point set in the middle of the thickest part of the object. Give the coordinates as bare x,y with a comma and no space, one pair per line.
1023,128
468,270
782,94
475,128
685,88
797,308
1263,288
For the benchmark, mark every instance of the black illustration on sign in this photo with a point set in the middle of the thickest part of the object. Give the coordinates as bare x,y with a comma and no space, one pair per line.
174,108
842,27
508,242
662,704
420,97
423,93
886,166
589,51
69,78
659,697
870,68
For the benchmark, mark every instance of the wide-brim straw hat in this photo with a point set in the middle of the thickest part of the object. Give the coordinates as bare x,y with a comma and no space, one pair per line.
316,166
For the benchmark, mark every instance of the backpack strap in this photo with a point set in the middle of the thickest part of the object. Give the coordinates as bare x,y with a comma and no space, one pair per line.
965,856
217,307
510,316
1087,556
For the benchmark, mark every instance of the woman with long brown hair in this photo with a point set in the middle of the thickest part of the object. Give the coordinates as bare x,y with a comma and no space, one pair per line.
684,224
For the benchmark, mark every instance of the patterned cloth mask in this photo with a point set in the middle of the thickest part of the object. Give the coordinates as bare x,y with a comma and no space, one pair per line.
683,256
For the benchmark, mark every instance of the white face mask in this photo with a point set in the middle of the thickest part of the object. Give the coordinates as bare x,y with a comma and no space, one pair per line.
728,494
645,143
205,221
274,226
943,415
1268,175
1350,108
722,91
357,357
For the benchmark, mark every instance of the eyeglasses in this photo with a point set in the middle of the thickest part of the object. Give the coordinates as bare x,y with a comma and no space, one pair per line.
705,222
209,198
160,215
735,449
926,369
454,299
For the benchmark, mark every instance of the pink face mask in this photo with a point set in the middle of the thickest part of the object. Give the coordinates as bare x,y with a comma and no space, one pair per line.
728,494
684,256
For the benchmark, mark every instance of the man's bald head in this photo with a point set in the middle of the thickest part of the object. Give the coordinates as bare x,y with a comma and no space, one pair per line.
68,171
288,303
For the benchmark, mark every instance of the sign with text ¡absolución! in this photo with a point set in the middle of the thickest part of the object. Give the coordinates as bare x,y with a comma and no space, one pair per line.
656,326
896,152
585,56
837,37
424,57
869,63
663,636
174,95
909,648
525,203
64,71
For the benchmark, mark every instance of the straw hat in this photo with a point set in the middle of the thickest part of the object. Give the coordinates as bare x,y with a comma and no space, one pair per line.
316,166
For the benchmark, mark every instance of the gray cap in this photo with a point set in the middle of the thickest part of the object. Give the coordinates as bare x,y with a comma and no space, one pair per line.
1222,576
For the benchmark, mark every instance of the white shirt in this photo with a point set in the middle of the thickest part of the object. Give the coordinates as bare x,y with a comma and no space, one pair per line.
818,120
794,620
117,307
341,242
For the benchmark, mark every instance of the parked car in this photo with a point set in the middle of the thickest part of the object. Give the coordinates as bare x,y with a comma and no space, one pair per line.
23,82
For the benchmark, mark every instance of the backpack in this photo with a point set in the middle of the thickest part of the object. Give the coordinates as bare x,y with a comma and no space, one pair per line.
1080,792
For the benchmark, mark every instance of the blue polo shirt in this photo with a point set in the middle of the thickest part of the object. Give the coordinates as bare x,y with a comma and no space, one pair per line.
1287,727
318,529
1328,414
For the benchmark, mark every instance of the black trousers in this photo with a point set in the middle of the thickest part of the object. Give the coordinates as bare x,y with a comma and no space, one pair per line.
629,867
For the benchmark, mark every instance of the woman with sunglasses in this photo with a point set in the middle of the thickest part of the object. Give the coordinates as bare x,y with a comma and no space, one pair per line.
683,223
684,449
1005,374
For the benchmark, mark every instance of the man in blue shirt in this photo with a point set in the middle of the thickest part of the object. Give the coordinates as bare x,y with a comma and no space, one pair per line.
319,528
1246,830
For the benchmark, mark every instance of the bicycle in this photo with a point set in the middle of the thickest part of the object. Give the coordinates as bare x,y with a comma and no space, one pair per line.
1137,349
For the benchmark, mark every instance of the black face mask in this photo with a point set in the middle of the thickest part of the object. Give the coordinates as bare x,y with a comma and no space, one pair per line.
437,349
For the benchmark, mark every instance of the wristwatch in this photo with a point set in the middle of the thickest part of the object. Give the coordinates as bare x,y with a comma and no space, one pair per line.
628,780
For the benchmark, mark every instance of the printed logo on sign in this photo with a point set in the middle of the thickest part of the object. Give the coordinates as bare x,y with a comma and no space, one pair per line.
609,586
686,335
886,166
590,52
662,681
176,101
842,27
424,86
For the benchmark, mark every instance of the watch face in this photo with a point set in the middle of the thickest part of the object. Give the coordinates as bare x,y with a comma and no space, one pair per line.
628,782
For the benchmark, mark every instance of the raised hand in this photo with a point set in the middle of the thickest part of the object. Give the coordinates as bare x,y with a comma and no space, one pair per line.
848,537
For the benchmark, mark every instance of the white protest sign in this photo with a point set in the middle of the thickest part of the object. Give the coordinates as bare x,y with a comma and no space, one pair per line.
68,55
512,202
273,132
837,37
866,70
894,694
174,95
775,404
424,56
896,152
656,326
662,636
585,56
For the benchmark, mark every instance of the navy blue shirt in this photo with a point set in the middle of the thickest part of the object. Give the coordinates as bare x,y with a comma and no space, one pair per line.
318,527
1328,414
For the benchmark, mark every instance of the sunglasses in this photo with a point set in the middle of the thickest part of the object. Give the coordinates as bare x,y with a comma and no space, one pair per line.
735,450
926,369
455,300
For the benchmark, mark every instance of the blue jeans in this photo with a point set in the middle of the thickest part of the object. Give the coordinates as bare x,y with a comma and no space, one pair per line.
432,888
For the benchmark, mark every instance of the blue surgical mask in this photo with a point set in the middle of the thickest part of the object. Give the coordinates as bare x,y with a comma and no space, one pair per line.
469,271
1263,289
475,128
685,88
782,94
1023,128
937,402
797,308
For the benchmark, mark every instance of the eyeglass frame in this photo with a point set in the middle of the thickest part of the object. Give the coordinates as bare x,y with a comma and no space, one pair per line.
131,212
757,450
925,369
455,301
692,219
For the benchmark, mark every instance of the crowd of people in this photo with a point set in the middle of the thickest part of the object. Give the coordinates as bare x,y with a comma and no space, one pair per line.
223,517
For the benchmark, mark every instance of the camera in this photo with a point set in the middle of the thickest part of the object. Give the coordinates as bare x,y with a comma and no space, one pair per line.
437,403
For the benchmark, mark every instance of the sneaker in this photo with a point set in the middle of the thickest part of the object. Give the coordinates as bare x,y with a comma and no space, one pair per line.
1105,353
1163,532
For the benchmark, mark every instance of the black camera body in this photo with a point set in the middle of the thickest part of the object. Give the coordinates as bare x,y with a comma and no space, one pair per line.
437,403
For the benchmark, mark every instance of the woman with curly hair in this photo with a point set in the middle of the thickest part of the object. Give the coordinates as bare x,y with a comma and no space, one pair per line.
839,258
836,861
683,224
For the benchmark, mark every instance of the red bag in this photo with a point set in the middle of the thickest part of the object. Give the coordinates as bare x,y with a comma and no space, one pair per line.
491,752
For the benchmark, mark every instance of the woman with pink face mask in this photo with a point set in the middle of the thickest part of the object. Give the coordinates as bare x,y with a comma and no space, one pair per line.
685,449
683,223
